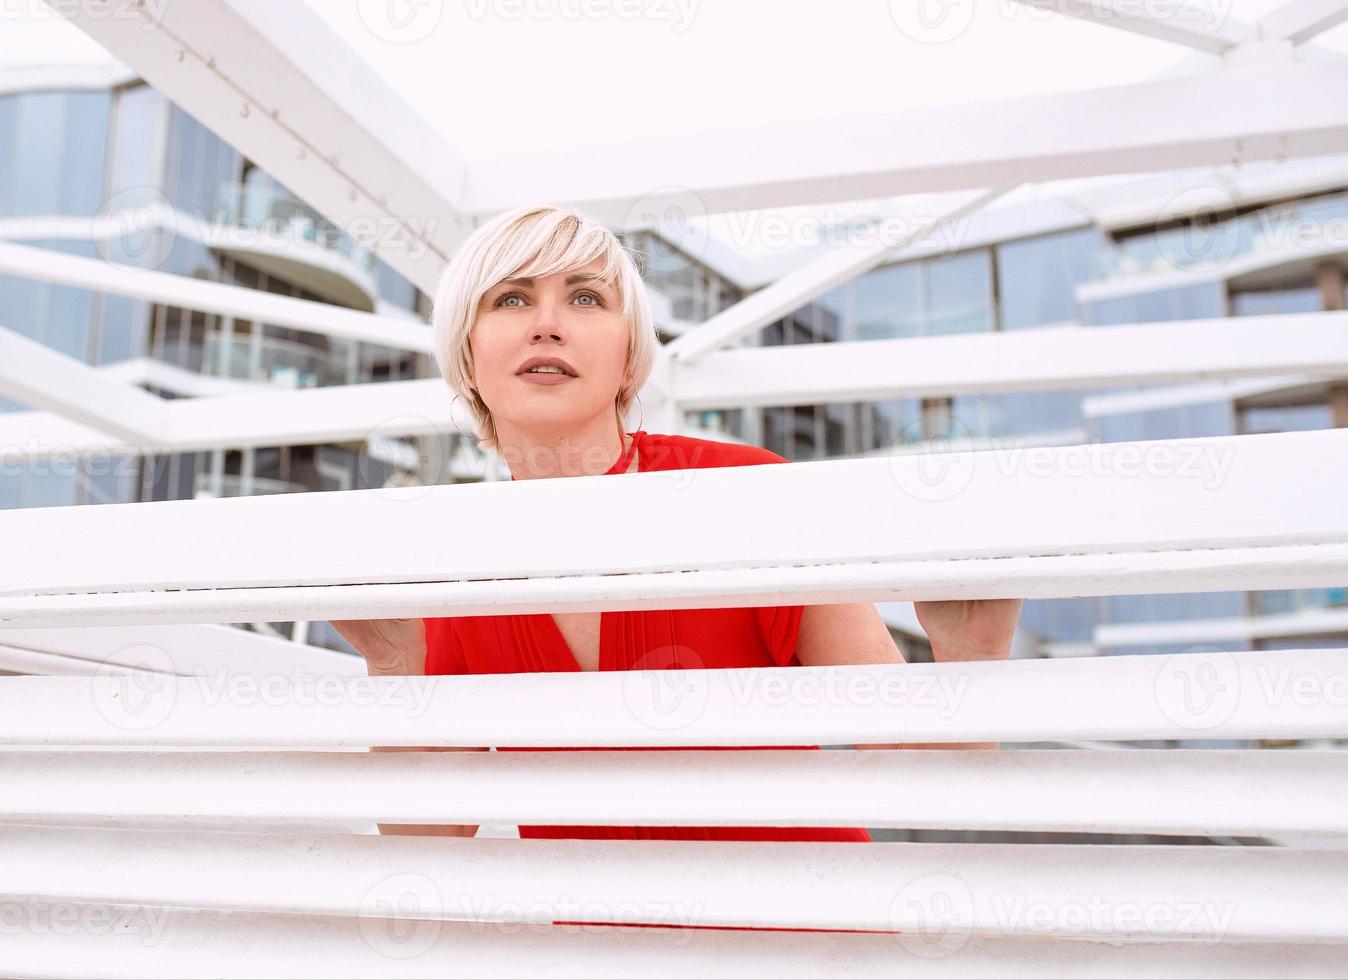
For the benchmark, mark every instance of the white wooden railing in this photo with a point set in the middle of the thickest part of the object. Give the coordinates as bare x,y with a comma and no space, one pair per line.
171,814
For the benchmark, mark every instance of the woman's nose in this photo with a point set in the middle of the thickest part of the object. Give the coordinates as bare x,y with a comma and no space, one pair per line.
548,322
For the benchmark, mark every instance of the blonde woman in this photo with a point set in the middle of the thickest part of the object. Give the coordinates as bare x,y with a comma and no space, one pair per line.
541,325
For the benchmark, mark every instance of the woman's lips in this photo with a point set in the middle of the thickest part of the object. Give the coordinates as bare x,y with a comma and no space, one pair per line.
534,378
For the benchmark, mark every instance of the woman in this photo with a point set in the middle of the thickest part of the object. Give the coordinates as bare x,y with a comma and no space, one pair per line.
541,324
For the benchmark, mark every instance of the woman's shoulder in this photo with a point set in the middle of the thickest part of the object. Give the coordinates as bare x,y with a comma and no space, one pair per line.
671,452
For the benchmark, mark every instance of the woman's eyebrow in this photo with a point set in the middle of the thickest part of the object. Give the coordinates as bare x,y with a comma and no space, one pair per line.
571,280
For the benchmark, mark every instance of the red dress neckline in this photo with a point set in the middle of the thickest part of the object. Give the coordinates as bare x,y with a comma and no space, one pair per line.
625,459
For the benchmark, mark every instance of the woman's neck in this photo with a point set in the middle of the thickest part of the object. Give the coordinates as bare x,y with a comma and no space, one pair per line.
534,454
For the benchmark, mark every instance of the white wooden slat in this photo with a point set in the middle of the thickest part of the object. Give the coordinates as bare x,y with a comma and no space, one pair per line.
1300,20
1214,569
1163,495
97,275
1298,694
148,942
1055,358
186,650
40,377
1160,791
1197,24
1210,893
1211,118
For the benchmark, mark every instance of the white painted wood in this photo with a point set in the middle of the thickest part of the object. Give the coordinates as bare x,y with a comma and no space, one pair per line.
1203,792
1197,24
1200,695
1211,893
45,265
243,944
1210,569
1209,119
1300,20
35,375
185,650
1170,495
1058,358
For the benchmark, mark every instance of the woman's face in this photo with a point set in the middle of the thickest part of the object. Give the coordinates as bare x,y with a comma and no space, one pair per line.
569,317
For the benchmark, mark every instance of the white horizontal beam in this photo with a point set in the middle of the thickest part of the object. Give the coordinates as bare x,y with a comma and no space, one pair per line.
1210,569
1051,358
1240,629
1300,20
36,375
154,286
1093,500
1054,358
1269,694
1204,792
152,942
1229,894
1196,24
185,650
315,116
1258,112
795,289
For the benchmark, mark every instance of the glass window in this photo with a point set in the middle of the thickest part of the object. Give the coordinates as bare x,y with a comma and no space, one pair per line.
887,302
1195,301
1274,301
1037,277
959,293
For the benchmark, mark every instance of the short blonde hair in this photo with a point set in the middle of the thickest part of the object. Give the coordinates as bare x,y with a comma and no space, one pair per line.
534,241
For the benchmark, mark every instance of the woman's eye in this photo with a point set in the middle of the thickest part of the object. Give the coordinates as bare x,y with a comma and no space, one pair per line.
591,296
501,301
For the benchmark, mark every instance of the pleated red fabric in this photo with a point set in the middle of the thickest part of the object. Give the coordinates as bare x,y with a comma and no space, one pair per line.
656,639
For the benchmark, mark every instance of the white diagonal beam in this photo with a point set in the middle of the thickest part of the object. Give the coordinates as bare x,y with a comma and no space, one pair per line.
1212,119
314,115
1300,20
795,289
36,375
153,286
1198,24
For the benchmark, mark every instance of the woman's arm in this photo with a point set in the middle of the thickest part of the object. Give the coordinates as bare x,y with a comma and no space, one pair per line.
855,633
394,647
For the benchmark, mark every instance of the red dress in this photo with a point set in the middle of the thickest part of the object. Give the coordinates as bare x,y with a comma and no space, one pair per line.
653,639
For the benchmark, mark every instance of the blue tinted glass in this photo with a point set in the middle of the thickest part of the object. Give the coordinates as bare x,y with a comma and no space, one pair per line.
1037,277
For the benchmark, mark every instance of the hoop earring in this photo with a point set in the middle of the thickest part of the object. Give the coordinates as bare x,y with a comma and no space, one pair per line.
641,424
451,417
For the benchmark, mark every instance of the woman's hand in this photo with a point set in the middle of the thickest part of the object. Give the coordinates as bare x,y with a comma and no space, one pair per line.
389,646
969,629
